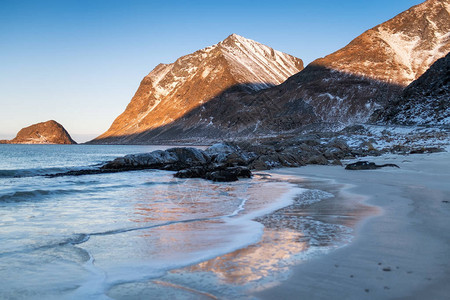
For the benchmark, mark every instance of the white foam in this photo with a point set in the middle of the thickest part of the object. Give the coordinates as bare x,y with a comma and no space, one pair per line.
285,199
237,230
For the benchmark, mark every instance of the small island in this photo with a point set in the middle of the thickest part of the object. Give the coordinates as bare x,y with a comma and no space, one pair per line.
50,132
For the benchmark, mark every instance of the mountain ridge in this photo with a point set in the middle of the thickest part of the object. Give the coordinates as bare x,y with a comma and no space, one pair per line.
235,64
348,85
430,35
343,88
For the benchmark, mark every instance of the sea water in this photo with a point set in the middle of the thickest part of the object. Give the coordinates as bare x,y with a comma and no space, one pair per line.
88,237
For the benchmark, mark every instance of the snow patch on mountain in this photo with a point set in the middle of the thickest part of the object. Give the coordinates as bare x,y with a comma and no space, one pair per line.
258,62
403,49
171,91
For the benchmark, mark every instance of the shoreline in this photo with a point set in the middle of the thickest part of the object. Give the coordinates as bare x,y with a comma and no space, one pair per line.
400,253
319,220
296,232
346,273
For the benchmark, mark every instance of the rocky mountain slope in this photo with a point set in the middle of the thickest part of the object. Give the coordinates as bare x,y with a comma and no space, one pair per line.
50,132
344,87
425,101
348,85
399,50
234,66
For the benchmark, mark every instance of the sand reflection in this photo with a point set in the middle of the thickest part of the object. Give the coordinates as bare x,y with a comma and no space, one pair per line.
307,227
186,199
257,261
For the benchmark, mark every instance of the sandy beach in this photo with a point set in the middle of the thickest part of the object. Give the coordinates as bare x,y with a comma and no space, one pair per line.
332,233
402,252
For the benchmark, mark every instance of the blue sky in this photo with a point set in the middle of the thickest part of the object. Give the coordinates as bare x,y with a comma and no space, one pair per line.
80,62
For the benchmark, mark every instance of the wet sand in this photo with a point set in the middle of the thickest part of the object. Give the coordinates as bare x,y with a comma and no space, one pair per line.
401,253
321,219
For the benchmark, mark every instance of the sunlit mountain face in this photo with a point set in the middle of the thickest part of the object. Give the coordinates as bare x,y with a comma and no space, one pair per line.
236,88
234,66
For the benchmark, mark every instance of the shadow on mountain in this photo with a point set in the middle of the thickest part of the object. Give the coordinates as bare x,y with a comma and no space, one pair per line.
426,101
313,97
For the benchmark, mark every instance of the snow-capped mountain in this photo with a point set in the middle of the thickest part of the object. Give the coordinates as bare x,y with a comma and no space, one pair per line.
349,85
425,101
345,87
400,50
170,91
230,89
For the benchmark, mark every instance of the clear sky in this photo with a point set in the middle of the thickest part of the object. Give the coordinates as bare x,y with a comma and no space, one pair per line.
79,62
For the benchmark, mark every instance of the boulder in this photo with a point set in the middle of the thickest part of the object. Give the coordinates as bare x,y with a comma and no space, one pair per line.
317,160
154,160
227,154
260,164
171,159
222,176
365,165
241,172
194,172
187,157
215,173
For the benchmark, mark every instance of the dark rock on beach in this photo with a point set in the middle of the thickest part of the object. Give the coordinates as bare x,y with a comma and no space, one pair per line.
365,165
215,173
194,172
84,172
173,159
426,150
229,161
220,162
229,174
222,176
233,160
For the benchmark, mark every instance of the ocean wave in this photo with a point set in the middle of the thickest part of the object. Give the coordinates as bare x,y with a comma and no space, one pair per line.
75,239
14,173
80,238
33,195
38,194
32,172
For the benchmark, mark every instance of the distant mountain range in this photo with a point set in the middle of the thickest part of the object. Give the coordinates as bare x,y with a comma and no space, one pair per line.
238,87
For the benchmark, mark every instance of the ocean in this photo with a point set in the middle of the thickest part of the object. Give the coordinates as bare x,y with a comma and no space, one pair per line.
146,234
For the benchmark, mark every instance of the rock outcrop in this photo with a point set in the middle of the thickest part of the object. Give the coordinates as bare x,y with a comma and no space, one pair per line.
221,162
229,161
50,132
426,101
173,159
230,69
